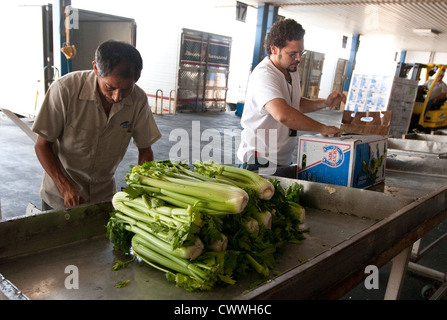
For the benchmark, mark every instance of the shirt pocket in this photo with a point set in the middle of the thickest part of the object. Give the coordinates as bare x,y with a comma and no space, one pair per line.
77,139
115,142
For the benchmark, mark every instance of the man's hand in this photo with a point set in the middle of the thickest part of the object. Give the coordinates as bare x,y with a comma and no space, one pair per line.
50,163
145,154
334,99
71,195
331,131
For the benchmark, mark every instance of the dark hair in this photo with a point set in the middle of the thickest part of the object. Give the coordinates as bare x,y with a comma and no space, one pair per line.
112,54
281,32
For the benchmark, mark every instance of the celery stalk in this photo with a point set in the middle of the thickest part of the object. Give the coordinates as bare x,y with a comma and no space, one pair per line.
220,197
241,177
164,248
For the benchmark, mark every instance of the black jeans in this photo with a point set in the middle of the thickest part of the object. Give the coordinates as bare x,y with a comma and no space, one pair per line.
432,105
253,164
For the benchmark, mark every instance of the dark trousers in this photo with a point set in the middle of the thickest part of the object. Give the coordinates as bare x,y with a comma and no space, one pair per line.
254,163
432,105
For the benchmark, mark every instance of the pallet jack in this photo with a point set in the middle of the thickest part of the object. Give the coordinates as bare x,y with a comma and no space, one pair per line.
424,118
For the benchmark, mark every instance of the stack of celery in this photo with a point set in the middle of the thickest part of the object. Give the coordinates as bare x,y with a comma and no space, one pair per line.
204,227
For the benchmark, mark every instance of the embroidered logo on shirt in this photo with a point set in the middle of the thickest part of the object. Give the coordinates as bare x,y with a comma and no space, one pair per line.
125,125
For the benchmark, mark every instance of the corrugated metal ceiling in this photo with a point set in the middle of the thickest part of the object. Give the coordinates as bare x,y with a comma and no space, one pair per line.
376,17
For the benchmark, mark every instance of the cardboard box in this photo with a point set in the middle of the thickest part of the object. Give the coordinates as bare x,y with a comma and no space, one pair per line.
377,93
356,161
366,123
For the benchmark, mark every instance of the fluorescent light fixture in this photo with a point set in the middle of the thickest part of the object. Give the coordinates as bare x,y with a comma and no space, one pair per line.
426,32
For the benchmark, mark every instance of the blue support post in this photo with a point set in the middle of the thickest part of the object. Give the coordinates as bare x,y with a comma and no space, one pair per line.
267,15
351,63
272,16
403,55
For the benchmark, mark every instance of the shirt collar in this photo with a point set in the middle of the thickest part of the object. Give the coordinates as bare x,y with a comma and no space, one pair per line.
88,90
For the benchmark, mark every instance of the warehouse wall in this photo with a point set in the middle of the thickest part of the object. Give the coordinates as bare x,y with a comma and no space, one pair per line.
21,58
159,26
159,29
330,43
426,57
91,34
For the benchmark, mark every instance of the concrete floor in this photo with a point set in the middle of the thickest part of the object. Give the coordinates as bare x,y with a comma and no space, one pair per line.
21,172
187,136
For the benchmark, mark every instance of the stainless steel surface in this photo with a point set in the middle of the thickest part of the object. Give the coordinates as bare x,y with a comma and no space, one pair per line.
35,251
432,162
420,147
29,234
418,153
330,274
438,135
380,242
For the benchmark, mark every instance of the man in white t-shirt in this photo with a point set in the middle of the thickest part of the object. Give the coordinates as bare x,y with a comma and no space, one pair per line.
274,108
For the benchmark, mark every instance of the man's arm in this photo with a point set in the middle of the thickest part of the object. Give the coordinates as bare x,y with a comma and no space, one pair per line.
443,94
296,120
50,163
145,154
310,105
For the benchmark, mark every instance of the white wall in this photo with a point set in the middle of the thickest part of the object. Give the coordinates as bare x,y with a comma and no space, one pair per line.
417,57
426,57
159,25
329,43
440,58
377,55
158,37
21,58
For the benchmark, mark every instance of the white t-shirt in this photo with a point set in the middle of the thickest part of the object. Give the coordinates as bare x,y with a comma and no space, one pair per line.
438,89
261,132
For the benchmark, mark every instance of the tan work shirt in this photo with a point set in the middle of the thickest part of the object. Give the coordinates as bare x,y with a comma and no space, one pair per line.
89,144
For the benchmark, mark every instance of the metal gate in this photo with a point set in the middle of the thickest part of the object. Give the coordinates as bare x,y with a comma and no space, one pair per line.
203,71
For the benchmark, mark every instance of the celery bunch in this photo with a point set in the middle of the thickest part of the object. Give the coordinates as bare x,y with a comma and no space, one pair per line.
203,228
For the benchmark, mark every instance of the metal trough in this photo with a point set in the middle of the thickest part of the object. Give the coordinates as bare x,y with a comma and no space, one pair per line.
423,145
349,229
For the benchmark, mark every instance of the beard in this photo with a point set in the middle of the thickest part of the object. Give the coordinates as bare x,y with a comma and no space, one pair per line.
293,67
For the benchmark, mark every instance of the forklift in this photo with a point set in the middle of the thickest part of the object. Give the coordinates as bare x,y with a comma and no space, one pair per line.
435,115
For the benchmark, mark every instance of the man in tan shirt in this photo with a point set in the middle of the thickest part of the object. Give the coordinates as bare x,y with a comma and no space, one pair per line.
85,125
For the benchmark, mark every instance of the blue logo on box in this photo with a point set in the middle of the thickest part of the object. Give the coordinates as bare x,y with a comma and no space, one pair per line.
334,156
